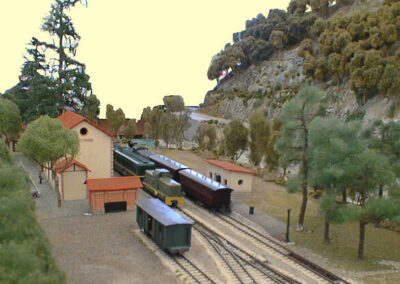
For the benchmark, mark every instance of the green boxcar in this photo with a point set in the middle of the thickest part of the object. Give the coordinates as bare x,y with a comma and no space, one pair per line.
128,162
166,227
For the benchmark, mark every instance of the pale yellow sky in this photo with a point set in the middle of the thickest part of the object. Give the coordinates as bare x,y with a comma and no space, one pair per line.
136,52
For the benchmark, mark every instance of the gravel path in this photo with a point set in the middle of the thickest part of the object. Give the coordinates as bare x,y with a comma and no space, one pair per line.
103,249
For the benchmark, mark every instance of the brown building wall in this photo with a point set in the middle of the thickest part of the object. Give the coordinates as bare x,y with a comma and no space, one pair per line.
97,199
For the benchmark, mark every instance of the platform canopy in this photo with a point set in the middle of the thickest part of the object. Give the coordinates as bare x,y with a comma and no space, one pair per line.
161,212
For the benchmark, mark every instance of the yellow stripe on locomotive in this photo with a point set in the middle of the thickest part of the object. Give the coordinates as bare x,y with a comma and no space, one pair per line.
159,183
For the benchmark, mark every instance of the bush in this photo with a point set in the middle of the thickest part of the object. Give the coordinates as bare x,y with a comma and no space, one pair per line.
25,255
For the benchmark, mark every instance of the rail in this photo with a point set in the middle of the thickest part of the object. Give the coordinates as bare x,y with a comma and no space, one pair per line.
276,246
244,258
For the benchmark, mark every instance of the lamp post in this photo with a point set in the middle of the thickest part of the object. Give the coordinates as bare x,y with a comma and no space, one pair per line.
287,226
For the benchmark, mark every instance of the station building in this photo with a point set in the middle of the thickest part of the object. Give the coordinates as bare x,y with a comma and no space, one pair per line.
96,144
236,177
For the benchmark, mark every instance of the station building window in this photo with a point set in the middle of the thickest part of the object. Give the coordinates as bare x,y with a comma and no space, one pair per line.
240,182
83,131
211,175
225,182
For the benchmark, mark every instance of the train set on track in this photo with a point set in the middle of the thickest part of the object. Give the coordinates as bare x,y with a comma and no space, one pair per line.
140,162
171,230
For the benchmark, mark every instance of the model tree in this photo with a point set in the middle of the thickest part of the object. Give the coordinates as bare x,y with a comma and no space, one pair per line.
46,140
115,118
130,129
153,118
294,142
175,107
235,139
260,132
10,120
52,78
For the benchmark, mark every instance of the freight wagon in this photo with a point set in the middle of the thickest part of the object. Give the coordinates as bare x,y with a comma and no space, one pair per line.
166,227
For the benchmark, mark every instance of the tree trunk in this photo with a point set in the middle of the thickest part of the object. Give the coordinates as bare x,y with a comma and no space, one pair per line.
326,233
361,240
303,208
380,191
344,196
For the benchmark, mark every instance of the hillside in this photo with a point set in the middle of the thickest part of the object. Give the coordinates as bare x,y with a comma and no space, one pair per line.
353,57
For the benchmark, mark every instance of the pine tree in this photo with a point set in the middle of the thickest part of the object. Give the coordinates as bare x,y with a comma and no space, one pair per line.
72,86
294,142
333,145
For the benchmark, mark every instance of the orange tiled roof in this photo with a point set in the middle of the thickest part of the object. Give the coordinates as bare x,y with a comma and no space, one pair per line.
61,166
230,166
114,183
70,119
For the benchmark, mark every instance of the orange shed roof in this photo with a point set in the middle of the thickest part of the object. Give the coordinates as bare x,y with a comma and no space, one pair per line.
114,183
70,119
230,166
66,164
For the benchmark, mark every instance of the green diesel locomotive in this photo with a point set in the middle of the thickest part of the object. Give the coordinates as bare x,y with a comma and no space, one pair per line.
130,163
160,184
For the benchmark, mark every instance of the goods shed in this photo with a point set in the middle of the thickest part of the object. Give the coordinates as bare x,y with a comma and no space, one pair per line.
113,194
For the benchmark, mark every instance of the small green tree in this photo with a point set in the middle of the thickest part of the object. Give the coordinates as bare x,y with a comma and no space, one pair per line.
10,120
211,134
370,171
130,129
200,136
260,132
333,145
46,140
167,126
175,106
294,142
115,118
272,156
235,139
153,118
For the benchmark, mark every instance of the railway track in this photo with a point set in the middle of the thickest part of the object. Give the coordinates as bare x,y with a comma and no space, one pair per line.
243,267
273,244
185,265
192,270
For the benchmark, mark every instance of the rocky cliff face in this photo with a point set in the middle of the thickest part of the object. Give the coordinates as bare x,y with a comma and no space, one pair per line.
270,84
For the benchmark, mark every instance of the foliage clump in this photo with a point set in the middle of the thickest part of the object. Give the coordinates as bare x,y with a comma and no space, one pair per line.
360,47
25,255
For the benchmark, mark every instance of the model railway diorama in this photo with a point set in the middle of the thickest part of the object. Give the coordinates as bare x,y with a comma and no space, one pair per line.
164,185
169,181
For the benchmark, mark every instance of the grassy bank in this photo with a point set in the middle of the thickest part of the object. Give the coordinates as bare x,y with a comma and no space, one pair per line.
381,244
